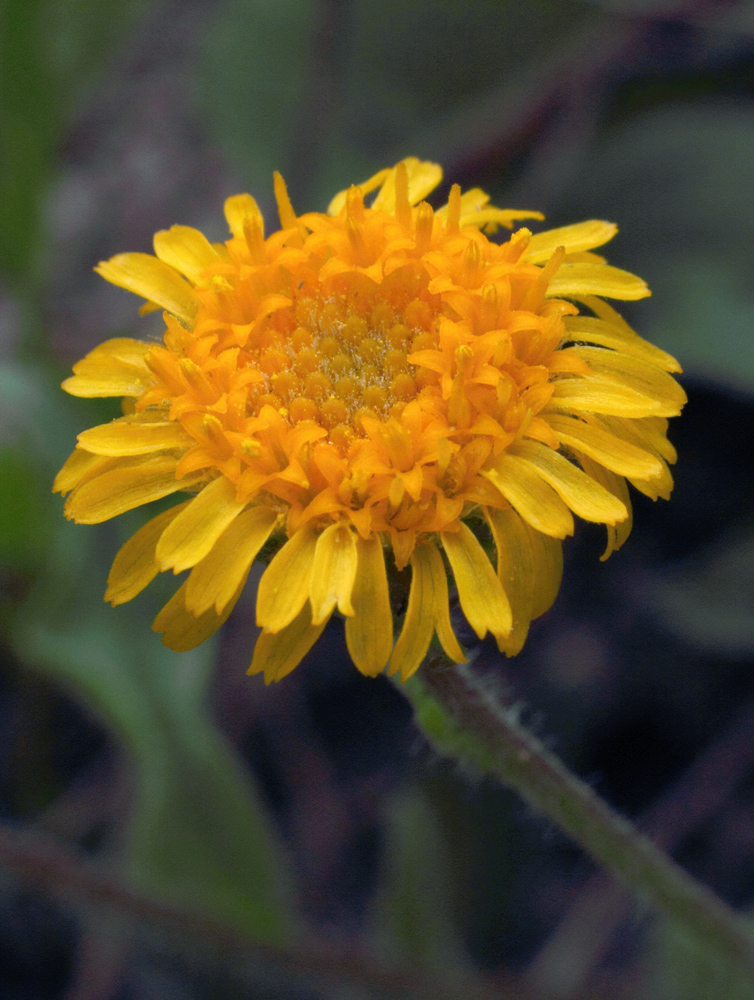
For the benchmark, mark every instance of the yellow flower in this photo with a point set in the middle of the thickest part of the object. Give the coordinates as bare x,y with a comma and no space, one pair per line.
365,384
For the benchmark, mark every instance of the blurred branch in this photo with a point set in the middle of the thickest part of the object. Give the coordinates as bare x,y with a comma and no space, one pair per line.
38,859
464,718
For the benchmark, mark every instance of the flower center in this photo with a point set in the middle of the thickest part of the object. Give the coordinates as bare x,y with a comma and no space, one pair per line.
347,356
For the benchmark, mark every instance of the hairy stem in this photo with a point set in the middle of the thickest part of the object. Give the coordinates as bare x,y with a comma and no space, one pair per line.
462,717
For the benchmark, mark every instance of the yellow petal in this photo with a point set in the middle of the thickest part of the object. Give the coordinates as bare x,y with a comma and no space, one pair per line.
284,587
530,568
596,394
129,436
605,312
576,238
591,437
423,177
133,482
78,467
151,278
548,570
596,279
193,533
185,249
214,580
441,606
583,495
134,566
515,570
277,653
649,433
333,573
616,533
418,625
183,631
479,590
527,492
238,208
367,186
656,486
369,631
635,374
115,368
620,338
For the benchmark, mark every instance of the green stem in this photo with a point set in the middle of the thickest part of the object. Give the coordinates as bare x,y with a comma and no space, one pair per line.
462,717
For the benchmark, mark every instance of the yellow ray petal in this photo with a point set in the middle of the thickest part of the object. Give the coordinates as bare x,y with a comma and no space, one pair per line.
515,570
441,606
583,495
182,631
595,440
129,436
656,486
595,394
134,566
277,653
633,373
596,279
620,338
605,312
193,533
130,484
367,187
284,587
214,580
576,238
616,533
530,567
648,433
334,572
548,570
418,625
369,632
185,249
115,368
423,177
479,590
527,492
238,208
154,280
78,467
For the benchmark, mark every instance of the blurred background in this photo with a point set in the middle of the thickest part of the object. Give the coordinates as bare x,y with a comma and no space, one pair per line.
170,828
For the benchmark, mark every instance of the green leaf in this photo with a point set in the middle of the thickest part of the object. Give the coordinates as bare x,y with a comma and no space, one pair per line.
252,80
684,971
710,600
24,511
198,834
322,91
678,183
49,49
413,910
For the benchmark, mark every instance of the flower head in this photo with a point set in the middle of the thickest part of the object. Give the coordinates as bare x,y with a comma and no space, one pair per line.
382,381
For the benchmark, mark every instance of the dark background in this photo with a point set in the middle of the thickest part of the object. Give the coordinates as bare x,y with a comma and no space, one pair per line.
117,791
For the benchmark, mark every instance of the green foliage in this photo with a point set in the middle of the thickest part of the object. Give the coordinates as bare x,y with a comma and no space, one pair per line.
197,834
321,92
24,531
413,910
48,50
678,181
709,601
253,79
687,972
